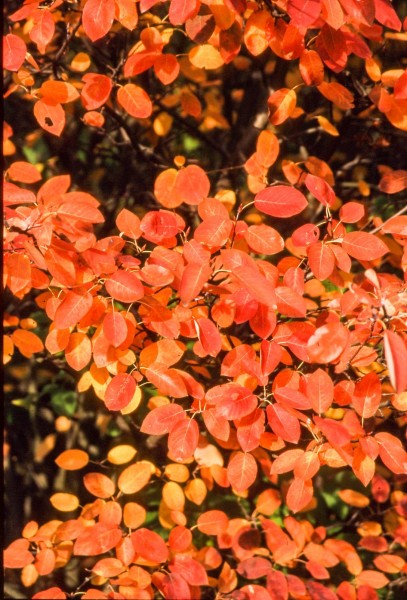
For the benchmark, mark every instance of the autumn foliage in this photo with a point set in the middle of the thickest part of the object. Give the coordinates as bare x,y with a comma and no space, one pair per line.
205,293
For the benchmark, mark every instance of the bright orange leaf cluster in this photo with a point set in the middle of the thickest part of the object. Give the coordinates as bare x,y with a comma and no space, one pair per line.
260,332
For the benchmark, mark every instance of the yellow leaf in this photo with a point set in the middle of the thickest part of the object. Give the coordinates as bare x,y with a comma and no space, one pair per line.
205,57
64,502
119,455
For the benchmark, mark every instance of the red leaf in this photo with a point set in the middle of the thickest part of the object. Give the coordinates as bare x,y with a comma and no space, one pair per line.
320,189
283,423
280,201
183,439
97,18
79,210
166,68
135,100
52,593
192,184
321,260
386,14
299,494
166,380
395,352
159,225
162,419
254,567
351,212
190,569
303,12
115,328
327,343
242,471
149,545
334,432
364,246
249,430
97,539
232,400
305,235
124,287
182,10
43,30
193,279
71,310
14,51
285,462
120,391
320,390
392,452
96,90
24,172
209,336
367,396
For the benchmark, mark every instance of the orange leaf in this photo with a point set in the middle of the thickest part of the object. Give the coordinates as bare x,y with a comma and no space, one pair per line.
134,478
264,239
27,342
354,498
371,578
108,567
307,465
135,101
192,185
51,117
17,555
162,419
338,94
24,172
71,460
389,563
393,182
299,494
99,485
134,515
311,67
128,223
45,561
281,105
78,351
58,92
213,522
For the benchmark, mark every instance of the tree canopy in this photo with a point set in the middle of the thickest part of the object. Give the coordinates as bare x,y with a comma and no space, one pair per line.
205,326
